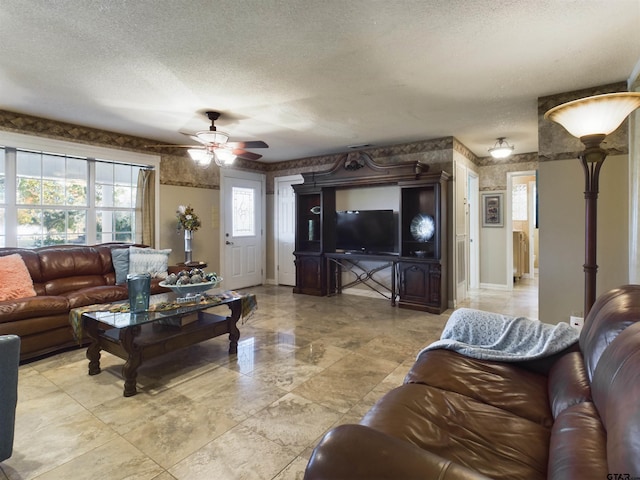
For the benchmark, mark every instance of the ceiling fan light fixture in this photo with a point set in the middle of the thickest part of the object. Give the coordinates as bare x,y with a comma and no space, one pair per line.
201,157
501,149
212,136
224,157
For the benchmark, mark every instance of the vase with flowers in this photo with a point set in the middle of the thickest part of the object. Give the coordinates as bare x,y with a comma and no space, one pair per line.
189,222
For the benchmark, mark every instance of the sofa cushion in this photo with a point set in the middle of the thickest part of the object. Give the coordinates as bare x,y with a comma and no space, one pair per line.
120,259
568,383
481,437
616,390
93,295
578,445
149,260
503,385
15,281
32,308
611,314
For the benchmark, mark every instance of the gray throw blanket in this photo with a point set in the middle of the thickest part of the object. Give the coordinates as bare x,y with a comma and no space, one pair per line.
492,336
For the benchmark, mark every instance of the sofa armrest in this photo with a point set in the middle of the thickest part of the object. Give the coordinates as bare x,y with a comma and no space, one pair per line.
9,359
359,452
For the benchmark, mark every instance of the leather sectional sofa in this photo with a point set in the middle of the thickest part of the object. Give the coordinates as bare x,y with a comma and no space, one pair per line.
574,416
64,277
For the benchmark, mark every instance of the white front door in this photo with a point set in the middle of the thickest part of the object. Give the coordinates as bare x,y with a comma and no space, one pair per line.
285,210
242,236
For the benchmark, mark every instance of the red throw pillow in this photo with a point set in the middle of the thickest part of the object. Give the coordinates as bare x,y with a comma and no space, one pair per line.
16,280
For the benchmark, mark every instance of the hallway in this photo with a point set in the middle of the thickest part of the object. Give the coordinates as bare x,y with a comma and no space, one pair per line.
521,302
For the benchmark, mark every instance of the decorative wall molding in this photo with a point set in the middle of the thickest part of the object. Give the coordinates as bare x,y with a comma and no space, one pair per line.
176,168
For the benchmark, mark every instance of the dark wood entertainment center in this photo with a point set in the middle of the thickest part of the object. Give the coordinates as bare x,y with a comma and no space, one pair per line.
419,269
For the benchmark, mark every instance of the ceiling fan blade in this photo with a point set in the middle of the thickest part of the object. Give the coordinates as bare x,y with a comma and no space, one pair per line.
197,139
246,155
250,144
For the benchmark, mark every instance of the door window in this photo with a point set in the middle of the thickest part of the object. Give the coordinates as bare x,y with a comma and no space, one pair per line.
243,220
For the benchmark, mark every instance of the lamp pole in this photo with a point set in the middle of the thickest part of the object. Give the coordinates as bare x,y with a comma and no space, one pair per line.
591,159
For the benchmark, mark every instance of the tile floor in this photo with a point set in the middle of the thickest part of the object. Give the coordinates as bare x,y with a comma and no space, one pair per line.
304,365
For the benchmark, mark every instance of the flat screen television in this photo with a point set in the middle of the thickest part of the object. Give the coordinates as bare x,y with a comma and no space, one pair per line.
366,231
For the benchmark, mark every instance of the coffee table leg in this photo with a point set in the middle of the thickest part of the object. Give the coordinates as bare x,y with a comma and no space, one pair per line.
134,359
232,325
93,350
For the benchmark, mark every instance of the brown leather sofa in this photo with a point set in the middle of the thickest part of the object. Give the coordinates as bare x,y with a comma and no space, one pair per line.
575,416
64,277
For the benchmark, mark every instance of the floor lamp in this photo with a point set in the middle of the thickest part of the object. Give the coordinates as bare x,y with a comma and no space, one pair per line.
591,119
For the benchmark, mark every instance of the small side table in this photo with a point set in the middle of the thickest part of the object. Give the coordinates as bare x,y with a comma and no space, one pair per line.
186,266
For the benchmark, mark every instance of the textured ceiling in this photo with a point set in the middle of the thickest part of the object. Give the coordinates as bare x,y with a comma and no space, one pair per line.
311,77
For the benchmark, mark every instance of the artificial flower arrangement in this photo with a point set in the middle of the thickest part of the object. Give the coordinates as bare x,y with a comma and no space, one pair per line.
187,219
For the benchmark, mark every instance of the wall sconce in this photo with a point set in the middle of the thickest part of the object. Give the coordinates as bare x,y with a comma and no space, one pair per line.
501,149
591,119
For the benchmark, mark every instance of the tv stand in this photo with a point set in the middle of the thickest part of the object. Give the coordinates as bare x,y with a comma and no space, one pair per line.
419,270
354,263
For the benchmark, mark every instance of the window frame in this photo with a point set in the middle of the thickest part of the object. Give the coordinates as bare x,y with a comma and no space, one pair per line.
20,141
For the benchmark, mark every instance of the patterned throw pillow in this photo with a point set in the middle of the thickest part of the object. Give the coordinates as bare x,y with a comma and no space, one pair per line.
149,260
16,281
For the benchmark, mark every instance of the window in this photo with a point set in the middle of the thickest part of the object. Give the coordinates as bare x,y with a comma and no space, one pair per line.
519,199
53,198
243,222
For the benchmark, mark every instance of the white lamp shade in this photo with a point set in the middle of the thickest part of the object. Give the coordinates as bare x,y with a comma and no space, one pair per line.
501,152
208,136
200,156
501,149
598,115
224,157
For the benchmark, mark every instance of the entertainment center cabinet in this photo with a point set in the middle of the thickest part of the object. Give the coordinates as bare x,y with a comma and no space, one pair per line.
418,267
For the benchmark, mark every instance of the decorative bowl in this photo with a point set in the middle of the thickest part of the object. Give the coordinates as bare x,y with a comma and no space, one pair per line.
192,288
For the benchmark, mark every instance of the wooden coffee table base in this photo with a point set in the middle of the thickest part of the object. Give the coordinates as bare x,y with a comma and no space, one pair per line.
143,342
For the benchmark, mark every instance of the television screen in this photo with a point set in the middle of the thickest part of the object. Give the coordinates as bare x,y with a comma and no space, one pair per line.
366,231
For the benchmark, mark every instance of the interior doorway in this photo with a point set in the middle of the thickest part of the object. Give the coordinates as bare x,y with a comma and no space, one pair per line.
522,239
473,206
284,228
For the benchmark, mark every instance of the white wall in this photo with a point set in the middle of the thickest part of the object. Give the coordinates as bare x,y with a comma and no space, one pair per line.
493,250
206,241
561,221
368,198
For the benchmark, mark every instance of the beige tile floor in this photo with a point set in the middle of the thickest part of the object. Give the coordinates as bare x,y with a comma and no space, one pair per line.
304,365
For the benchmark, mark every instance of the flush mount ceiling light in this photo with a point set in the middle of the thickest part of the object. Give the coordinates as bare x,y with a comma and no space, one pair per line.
501,149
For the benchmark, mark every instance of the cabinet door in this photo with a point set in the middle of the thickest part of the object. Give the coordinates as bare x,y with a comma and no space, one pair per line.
421,286
310,275
414,282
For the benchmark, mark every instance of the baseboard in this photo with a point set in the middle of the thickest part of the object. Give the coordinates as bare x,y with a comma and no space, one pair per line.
494,286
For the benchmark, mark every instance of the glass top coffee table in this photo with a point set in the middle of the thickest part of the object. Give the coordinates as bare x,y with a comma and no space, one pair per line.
135,337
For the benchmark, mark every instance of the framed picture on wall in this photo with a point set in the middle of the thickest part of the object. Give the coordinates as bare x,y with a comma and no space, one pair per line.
492,210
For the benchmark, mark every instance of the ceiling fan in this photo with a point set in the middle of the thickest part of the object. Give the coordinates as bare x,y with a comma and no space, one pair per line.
217,147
